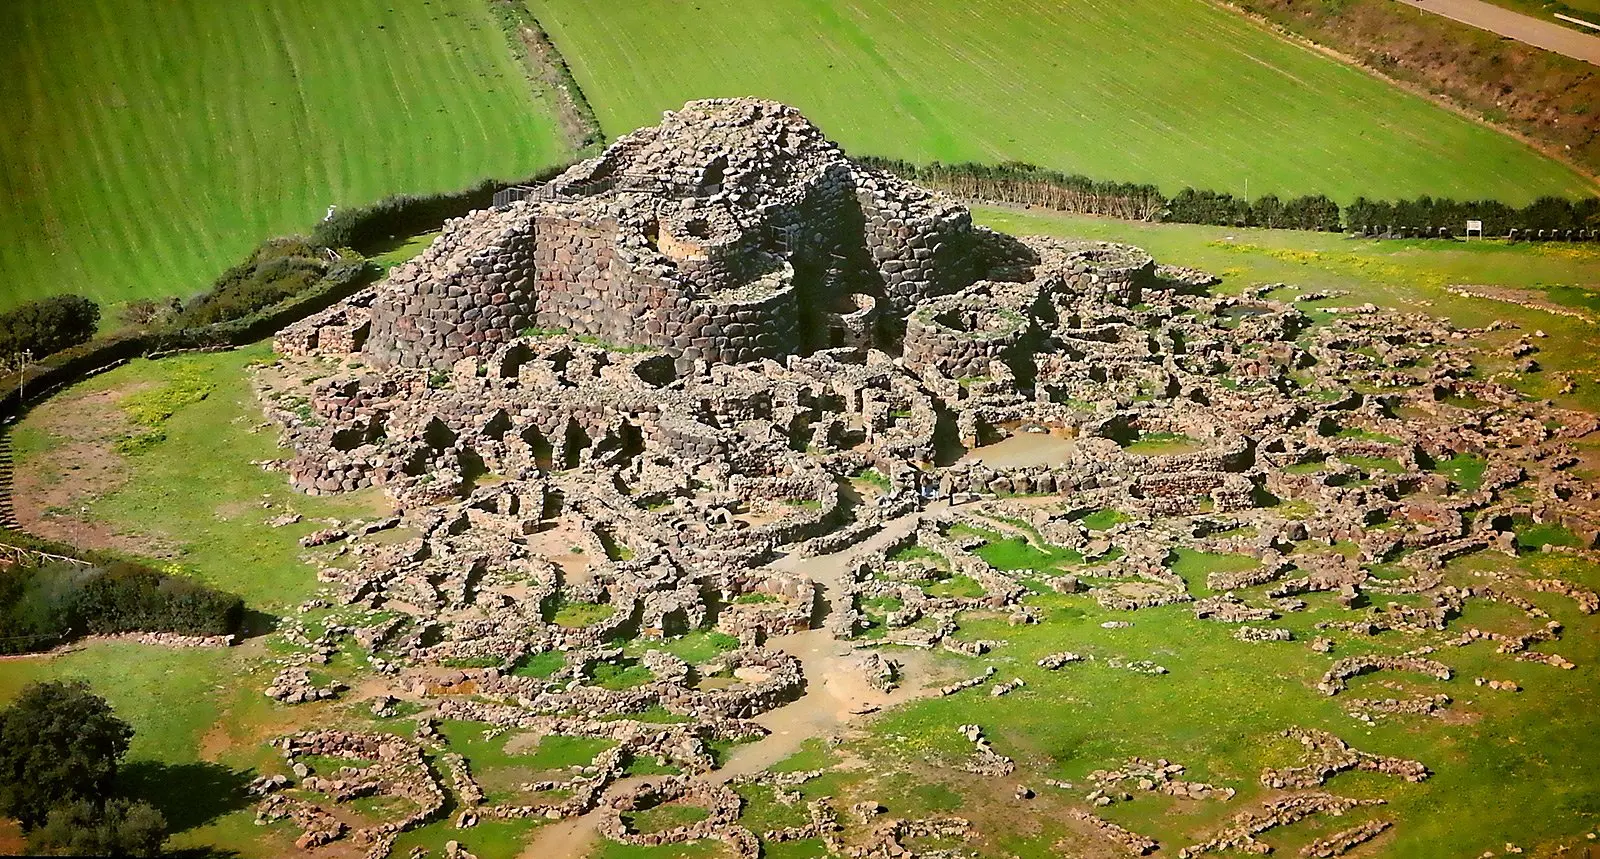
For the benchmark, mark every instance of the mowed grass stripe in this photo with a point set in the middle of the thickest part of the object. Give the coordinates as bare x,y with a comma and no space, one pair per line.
156,142
1175,92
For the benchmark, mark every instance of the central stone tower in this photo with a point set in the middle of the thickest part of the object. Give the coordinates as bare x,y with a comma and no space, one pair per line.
733,231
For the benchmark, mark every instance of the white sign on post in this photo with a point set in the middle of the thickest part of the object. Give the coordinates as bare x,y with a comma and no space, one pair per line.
1474,226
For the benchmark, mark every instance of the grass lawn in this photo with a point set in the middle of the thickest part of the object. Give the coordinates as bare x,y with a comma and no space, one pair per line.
1220,711
666,817
1374,463
695,648
193,491
1195,566
575,615
489,839
1161,444
540,665
164,138
1466,470
1174,92
1017,553
1533,536
1102,519
401,250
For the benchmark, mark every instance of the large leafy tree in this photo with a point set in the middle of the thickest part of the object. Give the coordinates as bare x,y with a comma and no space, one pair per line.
59,743
47,325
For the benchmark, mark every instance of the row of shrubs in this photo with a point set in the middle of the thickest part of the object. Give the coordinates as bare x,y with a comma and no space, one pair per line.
275,273
364,227
1025,184
1551,214
170,329
1209,207
45,604
1028,185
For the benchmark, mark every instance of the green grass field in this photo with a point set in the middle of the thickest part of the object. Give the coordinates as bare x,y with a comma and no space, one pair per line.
155,141
193,494
1175,92
1513,774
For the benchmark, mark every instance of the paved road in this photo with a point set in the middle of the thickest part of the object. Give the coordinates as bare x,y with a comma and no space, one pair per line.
1515,25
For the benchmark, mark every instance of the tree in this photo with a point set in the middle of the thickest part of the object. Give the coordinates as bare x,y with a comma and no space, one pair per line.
59,743
123,827
1268,211
47,325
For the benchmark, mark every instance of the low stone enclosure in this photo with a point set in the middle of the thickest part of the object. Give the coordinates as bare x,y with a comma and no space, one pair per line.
719,377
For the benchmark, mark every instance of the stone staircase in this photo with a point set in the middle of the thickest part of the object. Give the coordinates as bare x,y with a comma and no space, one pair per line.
8,514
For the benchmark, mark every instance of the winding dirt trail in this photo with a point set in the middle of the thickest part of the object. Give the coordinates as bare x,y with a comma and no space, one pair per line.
835,693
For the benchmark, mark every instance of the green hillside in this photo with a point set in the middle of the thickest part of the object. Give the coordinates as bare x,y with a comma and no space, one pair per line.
152,142
1177,92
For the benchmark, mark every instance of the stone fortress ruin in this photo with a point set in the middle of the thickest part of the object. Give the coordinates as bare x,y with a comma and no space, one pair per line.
734,231
720,376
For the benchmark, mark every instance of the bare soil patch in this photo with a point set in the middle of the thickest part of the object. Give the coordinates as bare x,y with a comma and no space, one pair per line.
52,490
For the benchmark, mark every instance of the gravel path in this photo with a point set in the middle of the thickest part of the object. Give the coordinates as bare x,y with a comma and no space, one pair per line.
1515,25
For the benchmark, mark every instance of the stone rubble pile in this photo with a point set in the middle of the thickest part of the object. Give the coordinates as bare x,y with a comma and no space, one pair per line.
1328,756
1241,834
985,760
1345,840
1133,843
1160,776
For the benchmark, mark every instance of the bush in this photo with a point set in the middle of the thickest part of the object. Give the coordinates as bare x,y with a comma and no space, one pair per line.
120,827
130,598
47,325
1208,207
142,312
44,605
277,270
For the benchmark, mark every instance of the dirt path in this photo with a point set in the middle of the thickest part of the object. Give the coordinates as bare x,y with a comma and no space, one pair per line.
564,839
835,693
1515,25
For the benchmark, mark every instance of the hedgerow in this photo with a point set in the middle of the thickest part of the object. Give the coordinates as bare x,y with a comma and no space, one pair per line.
1025,184
45,604
408,214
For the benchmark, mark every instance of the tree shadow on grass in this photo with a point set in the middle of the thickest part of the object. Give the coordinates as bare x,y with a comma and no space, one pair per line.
188,795
257,623
201,853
